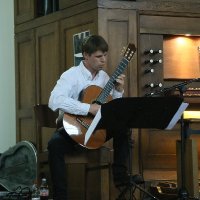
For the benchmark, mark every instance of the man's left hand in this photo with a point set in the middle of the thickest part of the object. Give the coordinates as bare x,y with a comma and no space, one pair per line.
119,85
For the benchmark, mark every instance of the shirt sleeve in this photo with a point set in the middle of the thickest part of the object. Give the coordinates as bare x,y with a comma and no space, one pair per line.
116,94
62,97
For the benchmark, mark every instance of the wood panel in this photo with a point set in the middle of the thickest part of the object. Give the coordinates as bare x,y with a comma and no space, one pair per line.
25,85
24,10
47,60
47,67
169,25
155,7
163,154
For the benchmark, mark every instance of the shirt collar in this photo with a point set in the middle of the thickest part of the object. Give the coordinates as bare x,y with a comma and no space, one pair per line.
86,73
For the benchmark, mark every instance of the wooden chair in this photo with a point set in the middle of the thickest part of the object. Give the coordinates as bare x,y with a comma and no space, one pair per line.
90,164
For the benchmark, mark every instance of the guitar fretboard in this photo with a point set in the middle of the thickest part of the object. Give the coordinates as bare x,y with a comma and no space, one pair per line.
101,99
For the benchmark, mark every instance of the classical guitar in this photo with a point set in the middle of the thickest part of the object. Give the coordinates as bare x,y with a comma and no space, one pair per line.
77,126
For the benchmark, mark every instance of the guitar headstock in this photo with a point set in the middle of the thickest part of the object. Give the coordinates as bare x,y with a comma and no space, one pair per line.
129,51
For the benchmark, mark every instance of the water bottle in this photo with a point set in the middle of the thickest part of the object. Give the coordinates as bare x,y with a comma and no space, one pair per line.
35,192
44,190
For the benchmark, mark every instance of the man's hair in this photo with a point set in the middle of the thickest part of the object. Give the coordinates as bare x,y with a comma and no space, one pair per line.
94,43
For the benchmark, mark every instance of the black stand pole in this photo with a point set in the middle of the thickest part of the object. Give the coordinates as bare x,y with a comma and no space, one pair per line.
183,193
131,186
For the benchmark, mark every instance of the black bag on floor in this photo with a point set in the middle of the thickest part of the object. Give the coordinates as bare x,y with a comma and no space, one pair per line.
18,168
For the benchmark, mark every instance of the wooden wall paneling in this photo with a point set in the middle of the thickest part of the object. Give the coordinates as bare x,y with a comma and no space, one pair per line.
71,26
24,10
47,66
158,156
169,24
25,85
173,7
158,149
47,60
191,167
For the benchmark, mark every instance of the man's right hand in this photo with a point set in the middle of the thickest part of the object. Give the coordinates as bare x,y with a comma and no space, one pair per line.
94,108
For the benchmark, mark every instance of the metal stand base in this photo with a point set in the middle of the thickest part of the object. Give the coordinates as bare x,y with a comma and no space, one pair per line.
131,186
183,195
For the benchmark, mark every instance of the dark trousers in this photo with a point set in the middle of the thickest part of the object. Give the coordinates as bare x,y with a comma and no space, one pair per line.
61,144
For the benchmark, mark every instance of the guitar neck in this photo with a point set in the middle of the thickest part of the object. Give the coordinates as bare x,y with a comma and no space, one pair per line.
101,99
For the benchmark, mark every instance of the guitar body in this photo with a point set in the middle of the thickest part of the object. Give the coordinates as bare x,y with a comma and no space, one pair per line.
77,126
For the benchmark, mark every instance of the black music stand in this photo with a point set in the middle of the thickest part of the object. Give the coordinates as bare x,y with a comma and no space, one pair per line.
141,112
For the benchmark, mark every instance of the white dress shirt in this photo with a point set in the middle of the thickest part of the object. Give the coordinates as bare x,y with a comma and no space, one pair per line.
66,92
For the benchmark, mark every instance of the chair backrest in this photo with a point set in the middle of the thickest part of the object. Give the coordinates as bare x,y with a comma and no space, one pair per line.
45,116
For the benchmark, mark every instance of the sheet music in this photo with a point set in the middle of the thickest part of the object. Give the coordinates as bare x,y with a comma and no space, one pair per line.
92,126
177,115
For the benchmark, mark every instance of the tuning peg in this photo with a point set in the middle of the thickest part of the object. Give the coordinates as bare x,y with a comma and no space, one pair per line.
123,50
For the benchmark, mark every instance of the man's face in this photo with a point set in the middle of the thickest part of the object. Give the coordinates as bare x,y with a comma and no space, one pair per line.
96,61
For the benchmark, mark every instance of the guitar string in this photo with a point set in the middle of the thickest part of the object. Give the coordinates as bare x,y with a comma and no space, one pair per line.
108,87
110,83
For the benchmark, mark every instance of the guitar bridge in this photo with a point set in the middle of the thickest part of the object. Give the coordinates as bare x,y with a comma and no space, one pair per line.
82,123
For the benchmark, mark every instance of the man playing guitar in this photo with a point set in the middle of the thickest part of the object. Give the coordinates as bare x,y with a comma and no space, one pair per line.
65,97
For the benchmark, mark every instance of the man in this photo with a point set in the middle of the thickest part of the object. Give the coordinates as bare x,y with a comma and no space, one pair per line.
65,97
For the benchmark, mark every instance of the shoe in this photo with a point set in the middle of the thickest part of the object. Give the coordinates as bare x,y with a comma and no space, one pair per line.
127,179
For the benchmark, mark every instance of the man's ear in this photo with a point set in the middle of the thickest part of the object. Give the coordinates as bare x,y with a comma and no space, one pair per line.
85,55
